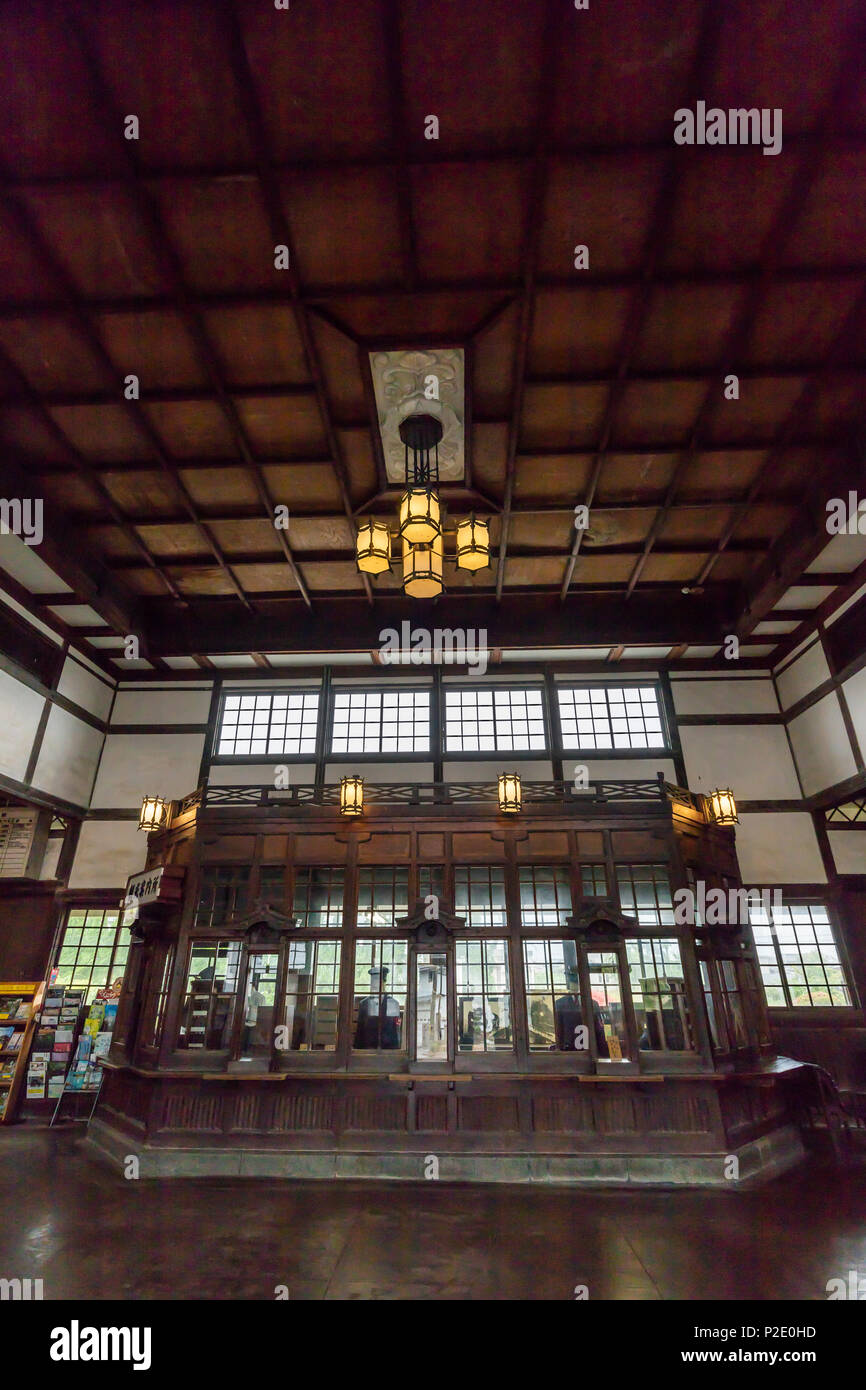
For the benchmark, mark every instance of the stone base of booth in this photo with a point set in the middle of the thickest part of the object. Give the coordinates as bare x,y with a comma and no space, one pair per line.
756,1162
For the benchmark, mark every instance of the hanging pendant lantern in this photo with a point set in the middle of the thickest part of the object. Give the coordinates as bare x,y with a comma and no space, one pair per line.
420,513
422,569
473,544
420,516
373,548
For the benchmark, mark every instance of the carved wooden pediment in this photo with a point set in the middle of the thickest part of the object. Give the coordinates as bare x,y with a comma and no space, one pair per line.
263,924
431,922
600,920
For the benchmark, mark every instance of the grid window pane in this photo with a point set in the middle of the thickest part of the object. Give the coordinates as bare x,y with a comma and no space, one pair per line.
383,895
593,880
479,894
798,957
645,893
545,895
311,1006
270,724
610,717
508,721
372,722
554,1012
379,999
211,987
659,995
318,900
483,996
92,954
223,893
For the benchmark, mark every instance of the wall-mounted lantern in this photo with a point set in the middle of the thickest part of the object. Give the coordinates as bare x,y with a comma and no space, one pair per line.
510,795
154,813
352,796
723,807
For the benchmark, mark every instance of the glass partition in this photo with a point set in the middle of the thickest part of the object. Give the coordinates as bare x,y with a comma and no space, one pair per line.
211,986
431,1006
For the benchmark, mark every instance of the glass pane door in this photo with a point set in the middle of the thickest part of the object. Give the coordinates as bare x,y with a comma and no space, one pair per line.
605,987
431,1006
257,1030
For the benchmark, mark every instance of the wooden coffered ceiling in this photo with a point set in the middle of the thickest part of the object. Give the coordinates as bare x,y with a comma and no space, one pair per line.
306,128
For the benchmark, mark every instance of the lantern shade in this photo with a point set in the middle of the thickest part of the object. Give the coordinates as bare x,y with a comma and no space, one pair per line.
473,544
723,807
510,795
422,569
420,516
373,548
352,796
153,813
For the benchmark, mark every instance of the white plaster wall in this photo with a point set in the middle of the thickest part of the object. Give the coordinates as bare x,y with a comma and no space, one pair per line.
821,745
849,850
20,709
778,847
855,693
136,765
803,676
724,697
68,757
619,769
108,852
85,689
259,774
382,772
465,770
753,760
180,706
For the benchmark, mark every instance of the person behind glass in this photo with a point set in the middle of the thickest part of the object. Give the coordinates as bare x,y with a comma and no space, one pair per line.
255,999
379,1015
569,1018
569,1013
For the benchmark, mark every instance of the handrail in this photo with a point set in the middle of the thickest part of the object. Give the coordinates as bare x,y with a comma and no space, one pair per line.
603,791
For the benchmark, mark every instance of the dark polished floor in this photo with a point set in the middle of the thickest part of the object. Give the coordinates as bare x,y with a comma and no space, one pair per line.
88,1233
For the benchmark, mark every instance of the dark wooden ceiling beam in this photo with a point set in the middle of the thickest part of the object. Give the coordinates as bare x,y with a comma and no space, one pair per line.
91,583
851,329
195,395
34,402
778,237
52,468
315,295
176,563
661,220
802,541
271,194
151,217
519,619
74,311
454,498
547,70
840,142
399,140
848,585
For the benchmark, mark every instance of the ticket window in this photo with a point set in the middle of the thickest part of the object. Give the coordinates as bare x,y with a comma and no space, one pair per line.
259,1004
608,1009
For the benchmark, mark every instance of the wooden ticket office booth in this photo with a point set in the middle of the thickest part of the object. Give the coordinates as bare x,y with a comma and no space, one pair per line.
318,996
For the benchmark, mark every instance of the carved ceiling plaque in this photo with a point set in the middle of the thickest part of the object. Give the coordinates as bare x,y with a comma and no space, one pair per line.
402,385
